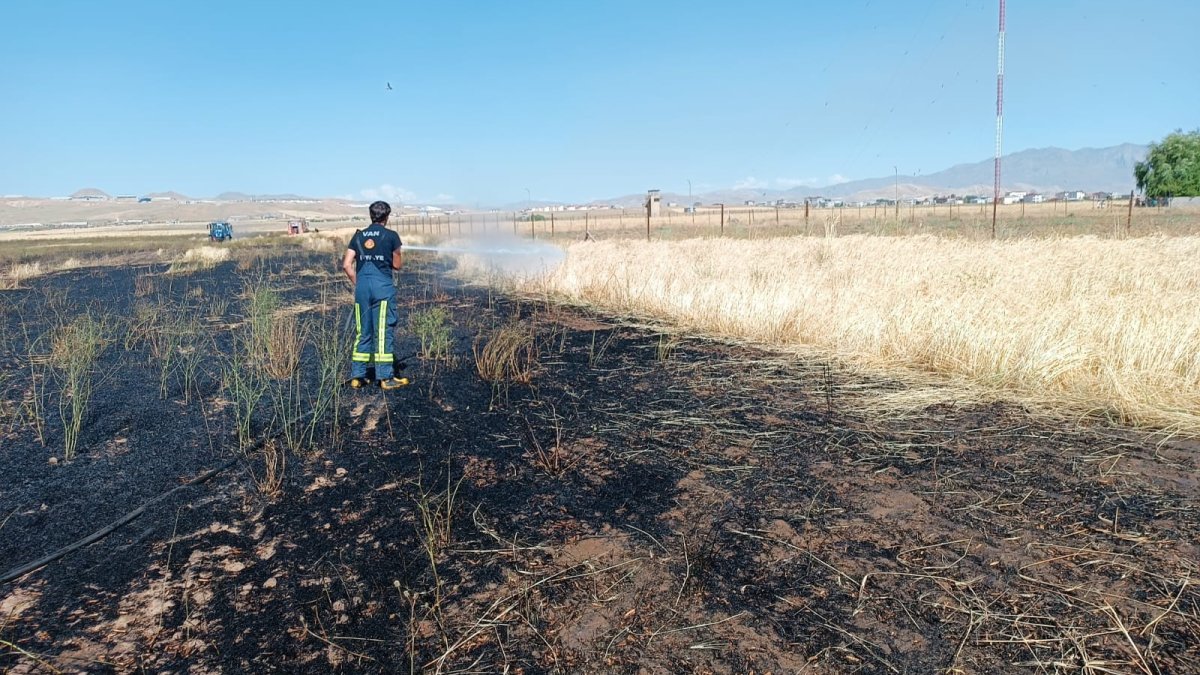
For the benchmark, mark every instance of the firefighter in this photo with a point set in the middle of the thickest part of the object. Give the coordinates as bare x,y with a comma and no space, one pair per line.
372,255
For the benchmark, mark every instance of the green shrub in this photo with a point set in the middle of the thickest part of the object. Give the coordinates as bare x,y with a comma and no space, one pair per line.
433,331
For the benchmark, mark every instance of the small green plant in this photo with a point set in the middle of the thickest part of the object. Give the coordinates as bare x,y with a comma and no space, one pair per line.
244,387
433,331
74,352
261,303
330,341
165,336
192,352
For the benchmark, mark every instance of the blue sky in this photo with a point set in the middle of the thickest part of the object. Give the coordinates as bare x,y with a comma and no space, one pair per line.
570,100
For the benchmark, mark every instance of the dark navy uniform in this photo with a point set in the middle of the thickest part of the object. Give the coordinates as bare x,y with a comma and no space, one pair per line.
374,300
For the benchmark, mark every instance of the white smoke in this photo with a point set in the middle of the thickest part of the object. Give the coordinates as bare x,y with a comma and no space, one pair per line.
497,254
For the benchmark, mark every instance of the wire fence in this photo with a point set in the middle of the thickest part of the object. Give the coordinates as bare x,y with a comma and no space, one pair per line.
1109,219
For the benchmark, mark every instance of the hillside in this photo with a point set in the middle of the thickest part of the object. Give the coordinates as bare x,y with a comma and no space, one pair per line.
1046,170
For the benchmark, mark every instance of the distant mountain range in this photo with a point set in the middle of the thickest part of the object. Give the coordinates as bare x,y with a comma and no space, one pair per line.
90,193
243,197
170,194
1045,170
94,193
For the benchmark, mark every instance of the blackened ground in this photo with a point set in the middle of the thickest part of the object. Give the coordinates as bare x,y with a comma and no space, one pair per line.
642,504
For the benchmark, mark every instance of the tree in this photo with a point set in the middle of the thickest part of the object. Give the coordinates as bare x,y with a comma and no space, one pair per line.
1172,167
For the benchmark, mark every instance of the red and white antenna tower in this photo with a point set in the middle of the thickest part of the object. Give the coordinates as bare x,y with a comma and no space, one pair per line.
999,118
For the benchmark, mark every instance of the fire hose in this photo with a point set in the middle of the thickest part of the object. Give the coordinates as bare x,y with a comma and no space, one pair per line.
117,524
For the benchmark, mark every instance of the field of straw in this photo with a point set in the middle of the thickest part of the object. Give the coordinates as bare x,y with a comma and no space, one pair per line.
1102,325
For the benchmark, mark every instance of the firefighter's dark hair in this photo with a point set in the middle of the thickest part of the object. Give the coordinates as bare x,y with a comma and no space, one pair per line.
380,211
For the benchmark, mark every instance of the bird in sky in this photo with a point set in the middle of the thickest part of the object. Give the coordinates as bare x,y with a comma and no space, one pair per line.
389,86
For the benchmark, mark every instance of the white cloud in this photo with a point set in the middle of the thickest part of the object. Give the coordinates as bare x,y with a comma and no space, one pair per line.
787,183
750,183
389,192
443,198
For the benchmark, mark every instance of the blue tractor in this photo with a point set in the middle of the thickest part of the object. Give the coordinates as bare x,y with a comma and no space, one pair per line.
220,231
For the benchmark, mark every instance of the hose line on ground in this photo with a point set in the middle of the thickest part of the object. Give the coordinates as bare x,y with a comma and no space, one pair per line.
21,571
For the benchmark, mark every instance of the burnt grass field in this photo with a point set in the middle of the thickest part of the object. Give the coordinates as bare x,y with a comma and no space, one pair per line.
611,499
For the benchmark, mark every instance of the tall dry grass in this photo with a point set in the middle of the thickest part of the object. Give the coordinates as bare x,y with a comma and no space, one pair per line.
199,258
507,354
16,273
1098,324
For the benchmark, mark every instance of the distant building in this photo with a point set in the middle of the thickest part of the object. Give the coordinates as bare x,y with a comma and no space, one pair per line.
653,203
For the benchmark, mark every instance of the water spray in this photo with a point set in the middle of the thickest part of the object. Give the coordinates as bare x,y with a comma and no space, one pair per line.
512,256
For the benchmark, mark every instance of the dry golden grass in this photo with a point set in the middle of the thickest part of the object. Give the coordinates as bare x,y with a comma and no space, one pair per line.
199,258
323,244
285,343
16,273
507,354
1099,324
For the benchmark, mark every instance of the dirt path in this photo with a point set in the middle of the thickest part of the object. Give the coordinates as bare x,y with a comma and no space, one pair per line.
639,506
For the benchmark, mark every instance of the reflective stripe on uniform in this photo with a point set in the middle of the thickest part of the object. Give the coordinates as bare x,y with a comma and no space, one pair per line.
358,334
359,357
382,329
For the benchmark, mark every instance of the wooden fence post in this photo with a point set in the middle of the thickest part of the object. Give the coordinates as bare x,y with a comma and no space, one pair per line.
1129,218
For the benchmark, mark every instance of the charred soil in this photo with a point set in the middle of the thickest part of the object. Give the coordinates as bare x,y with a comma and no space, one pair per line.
619,501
